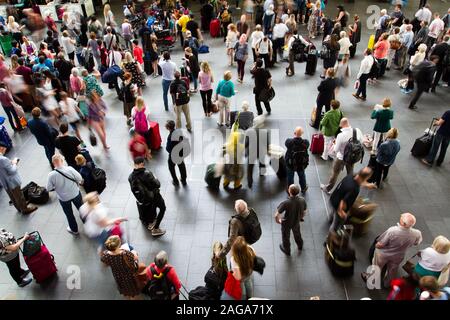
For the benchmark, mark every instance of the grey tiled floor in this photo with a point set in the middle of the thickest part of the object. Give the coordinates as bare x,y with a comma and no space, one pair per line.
196,217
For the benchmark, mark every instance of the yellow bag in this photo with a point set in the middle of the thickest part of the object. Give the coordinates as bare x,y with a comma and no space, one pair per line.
371,43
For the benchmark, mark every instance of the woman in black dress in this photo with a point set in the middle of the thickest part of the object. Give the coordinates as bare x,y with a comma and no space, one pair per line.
330,52
132,66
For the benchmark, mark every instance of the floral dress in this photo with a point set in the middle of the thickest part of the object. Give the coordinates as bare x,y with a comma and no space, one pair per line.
92,85
136,76
123,267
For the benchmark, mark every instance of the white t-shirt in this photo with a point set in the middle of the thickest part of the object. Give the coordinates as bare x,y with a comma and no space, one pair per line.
345,45
69,108
256,36
117,58
433,260
436,27
93,217
279,30
264,46
342,140
67,44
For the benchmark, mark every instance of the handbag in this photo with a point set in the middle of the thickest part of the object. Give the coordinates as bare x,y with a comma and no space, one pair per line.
32,245
259,265
92,138
443,277
409,265
233,287
266,94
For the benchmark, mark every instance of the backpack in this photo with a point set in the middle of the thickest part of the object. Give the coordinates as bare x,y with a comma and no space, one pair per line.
297,46
142,194
99,179
93,27
201,293
159,288
325,52
252,227
140,122
354,150
299,158
182,95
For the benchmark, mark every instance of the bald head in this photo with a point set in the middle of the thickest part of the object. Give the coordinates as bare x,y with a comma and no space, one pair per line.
407,220
240,206
344,123
298,131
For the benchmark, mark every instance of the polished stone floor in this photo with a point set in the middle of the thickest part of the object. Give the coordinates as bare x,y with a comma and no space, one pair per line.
196,217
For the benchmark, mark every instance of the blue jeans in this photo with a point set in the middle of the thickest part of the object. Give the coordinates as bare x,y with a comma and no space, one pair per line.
301,177
166,87
442,141
67,208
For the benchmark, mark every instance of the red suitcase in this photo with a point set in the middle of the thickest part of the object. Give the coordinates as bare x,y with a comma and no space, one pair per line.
214,28
41,264
317,143
155,136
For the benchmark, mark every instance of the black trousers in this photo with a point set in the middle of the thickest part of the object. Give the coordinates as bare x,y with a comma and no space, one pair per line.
417,96
15,270
258,104
353,50
286,235
438,75
250,167
265,58
206,100
380,171
362,90
277,46
147,212
320,105
181,167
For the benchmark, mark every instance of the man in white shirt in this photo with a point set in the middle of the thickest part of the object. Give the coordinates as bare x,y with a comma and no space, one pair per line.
424,14
340,143
392,245
279,31
435,29
109,39
65,181
168,69
363,75
290,69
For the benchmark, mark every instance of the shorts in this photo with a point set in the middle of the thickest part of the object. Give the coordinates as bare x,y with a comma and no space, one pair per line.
71,55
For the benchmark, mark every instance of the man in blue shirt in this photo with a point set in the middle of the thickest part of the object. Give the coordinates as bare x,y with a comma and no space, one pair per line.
441,139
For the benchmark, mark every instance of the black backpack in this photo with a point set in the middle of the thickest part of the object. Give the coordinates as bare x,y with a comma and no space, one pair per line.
34,193
159,288
297,46
201,293
299,158
354,150
99,179
142,194
252,227
182,95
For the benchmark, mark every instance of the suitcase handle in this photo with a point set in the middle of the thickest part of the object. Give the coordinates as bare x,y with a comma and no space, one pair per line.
431,126
31,233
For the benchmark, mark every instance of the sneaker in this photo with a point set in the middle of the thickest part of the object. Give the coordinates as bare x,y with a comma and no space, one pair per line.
25,282
325,159
184,182
424,161
412,107
324,188
284,250
151,226
219,124
356,96
25,274
158,232
304,190
175,183
72,232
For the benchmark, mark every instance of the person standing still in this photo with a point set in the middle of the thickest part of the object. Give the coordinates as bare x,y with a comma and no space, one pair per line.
289,214
168,69
174,138
441,139
297,158
180,94
263,80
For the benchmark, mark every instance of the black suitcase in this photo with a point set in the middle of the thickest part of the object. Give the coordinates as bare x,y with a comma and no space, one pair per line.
341,257
211,180
423,144
311,63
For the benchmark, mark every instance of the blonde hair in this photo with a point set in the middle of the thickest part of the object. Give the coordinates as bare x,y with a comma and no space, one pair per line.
205,67
232,27
227,75
441,244
422,48
140,103
387,103
11,20
245,105
392,133
80,160
258,27
343,34
112,243
92,199
106,9
128,57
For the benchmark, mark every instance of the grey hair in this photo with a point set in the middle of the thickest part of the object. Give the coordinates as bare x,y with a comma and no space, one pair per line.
245,105
241,206
161,259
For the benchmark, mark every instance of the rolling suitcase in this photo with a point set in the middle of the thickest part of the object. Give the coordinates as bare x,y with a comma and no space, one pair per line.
423,144
214,28
317,143
155,136
211,179
41,263
311,62
339,254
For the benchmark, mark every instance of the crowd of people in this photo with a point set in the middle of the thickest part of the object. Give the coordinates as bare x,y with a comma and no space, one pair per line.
51,83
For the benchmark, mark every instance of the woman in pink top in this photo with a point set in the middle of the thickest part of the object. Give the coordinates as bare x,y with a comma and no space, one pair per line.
76,83
380,53
205,79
